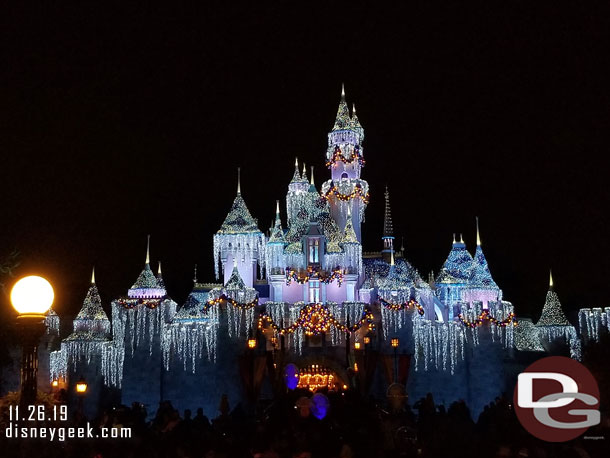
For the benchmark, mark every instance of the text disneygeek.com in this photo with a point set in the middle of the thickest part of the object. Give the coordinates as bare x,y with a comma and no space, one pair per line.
62,433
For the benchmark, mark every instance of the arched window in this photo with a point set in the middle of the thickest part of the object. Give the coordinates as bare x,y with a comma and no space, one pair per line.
313,250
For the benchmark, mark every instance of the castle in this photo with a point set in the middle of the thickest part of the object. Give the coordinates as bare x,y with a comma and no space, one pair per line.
303,305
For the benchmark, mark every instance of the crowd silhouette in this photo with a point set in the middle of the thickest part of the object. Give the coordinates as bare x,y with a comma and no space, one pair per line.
290,427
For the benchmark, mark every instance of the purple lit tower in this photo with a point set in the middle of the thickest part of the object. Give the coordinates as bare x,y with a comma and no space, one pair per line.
319,257
344,158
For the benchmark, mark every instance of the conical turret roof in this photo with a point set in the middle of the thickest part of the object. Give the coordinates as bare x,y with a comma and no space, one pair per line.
235,288
552,313
458,265
239,219
349,235
92,306
297,176
355,120
481,276
235,281
160,281
277,233
343,120
147,285
91,322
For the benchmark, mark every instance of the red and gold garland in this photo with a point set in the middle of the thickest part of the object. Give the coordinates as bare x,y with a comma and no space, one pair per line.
411,305
356,193
315,319
233,302
485,316
303,276
338,156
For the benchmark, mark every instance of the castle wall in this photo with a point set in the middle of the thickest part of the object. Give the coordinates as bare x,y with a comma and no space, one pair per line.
477,380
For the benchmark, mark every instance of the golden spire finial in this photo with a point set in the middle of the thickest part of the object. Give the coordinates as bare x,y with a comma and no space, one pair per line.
148,250
454,238
238,180
93,276
343,90
277,207
392,257
311,182
159,269
550,279
478,234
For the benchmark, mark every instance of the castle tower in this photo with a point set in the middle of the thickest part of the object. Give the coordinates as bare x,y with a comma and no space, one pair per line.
482,286
147,285
297,190
344,158
454,276
239,239
275,246
388,229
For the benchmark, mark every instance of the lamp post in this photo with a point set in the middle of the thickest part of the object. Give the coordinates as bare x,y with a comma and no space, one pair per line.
81,389
395,342
31,297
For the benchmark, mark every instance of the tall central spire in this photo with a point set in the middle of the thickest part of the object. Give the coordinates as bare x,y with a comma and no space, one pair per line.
297,176
238,180
388,229
343,120
478,233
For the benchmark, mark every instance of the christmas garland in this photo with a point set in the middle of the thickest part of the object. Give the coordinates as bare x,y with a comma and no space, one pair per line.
412,304
316,319
338,156
315,273
233,302
133,303
485,316
356,193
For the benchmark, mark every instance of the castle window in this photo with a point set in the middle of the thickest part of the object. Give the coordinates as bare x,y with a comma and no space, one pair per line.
314,291
314,251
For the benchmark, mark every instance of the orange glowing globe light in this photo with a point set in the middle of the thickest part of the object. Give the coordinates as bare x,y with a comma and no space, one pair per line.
357,345
81,386
32,295
251,343
367,340
55,383
395,342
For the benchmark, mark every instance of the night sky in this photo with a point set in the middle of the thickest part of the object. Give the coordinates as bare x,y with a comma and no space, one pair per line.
120,122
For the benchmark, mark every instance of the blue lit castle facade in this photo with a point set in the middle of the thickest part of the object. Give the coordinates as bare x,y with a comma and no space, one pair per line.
302,305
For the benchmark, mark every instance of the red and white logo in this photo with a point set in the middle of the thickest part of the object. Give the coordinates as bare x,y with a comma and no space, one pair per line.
557,399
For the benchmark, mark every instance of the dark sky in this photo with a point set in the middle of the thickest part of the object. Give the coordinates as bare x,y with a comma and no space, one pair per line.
119,122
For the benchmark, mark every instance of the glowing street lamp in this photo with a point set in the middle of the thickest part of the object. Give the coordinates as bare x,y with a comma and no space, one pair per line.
367,340
32,298
357,345
251,343
395,342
